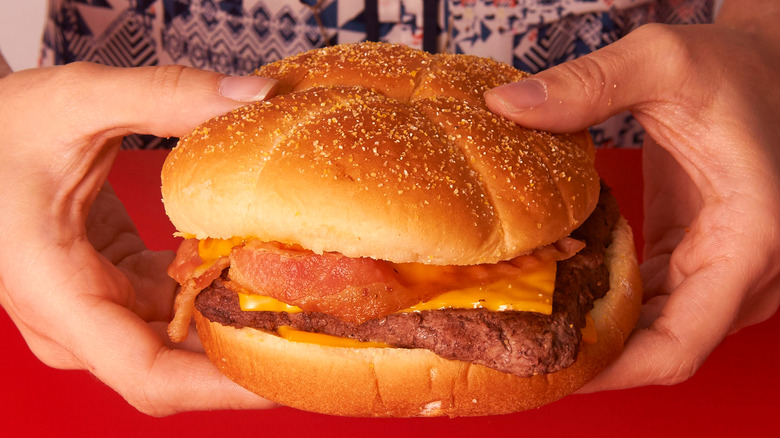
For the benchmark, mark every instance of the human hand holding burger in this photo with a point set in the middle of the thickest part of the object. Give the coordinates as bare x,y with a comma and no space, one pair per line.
81,345
77,280
706,97
373,241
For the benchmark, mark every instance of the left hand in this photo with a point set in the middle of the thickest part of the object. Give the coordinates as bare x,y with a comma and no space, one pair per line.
708,99
76,279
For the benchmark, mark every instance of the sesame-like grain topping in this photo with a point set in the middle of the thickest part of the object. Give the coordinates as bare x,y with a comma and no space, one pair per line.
357,129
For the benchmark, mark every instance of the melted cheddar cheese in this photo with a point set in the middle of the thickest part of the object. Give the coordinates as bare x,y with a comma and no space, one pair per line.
211,250
261,303
290,334
532,292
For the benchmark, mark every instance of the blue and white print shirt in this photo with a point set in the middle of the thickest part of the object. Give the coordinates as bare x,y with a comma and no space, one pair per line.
237,36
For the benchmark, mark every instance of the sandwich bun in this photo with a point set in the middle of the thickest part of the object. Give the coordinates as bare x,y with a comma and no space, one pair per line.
394,382
382,151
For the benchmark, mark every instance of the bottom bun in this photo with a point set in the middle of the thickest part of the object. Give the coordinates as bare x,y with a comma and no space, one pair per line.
394,382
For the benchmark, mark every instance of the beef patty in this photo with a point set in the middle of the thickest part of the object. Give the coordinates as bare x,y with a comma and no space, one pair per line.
520,343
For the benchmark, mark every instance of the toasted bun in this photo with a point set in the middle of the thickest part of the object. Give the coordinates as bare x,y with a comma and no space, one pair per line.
382,151
416,382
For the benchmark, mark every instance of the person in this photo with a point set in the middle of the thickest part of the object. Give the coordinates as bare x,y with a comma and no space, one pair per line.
85,293
712,175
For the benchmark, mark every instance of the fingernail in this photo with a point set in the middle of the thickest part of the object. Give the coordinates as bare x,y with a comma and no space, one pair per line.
520,96
246,88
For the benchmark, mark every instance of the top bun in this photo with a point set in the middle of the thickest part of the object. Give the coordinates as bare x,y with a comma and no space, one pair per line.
382,151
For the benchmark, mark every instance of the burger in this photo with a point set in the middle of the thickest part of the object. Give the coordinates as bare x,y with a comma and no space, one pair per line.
373,241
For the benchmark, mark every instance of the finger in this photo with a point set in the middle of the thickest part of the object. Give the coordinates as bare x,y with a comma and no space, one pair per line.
127,354
111,341
172,99
671,203
110,229
163,101
651,311
155,379
41,345
586,91
682,330
154,289
113,234
192,343
655,271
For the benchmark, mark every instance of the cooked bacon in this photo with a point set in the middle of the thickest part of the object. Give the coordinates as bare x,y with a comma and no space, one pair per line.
183,270
186,261
352,289
359,289
563,249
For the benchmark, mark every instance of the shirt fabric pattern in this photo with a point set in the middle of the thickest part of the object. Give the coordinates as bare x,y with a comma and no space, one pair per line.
237,36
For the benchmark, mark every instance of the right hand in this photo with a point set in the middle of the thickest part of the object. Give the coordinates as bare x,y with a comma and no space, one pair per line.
708,100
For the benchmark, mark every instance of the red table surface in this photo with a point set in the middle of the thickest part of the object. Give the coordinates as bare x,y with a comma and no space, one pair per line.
736,391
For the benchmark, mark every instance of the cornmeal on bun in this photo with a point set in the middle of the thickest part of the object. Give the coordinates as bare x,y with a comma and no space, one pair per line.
373,241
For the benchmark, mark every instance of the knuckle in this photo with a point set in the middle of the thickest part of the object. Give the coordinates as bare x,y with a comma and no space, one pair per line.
589,74
682,363
74,80
51,359
153,396
167,80
50,352
670,45
685,369
75,71
146,403
65,84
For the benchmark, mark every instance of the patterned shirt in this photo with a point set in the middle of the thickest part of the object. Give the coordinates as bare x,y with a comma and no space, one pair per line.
237,36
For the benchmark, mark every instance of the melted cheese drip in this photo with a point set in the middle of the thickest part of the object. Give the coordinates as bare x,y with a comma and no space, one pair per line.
211,250
261,303
589,333
532,292
293,335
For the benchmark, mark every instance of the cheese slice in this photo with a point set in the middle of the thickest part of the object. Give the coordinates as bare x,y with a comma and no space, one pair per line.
533,292
589,333
211,250
530,293
261,303
294,335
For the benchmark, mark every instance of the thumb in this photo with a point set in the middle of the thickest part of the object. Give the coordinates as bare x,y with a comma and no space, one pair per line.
166,101
60,124
586,91
84,100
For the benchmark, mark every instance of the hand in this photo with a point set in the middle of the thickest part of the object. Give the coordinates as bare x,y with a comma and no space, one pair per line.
76,278
708,99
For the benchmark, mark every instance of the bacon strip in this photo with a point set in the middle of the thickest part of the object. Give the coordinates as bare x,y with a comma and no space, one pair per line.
352,289
182,270
359,289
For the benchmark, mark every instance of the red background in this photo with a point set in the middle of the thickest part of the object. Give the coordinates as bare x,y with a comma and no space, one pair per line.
735,392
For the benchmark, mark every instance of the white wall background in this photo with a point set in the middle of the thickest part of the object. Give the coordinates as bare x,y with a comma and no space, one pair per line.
21,28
